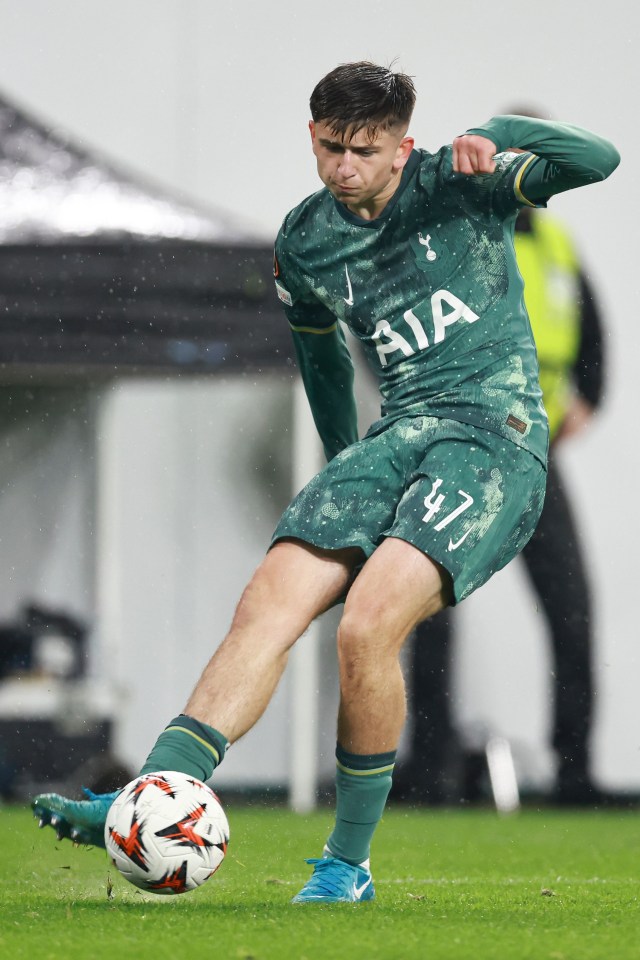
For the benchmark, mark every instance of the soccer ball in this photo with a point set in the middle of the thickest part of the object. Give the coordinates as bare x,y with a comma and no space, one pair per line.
166,832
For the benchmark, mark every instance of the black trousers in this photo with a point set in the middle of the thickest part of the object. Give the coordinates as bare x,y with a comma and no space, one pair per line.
555,566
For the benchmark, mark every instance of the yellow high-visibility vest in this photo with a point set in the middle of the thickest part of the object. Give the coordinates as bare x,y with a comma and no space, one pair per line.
549,266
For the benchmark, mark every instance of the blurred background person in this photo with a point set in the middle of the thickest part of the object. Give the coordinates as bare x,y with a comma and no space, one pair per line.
568,330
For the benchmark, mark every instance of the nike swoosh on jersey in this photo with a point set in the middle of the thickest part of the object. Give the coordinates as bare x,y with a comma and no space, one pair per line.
348,300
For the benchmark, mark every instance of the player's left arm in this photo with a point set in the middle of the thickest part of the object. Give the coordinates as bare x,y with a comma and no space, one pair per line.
561,156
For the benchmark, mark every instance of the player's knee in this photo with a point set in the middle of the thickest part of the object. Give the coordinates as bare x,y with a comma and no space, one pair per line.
362,637
251,604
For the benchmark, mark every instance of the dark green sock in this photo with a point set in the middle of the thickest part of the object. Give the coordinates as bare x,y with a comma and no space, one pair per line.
362,787
188,746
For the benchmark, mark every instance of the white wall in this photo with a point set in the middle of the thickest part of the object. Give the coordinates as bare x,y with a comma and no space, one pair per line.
47,444
212,99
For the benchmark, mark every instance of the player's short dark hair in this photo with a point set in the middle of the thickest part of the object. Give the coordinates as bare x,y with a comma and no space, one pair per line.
362,95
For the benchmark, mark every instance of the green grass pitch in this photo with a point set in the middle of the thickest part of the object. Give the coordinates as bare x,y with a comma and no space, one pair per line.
460,885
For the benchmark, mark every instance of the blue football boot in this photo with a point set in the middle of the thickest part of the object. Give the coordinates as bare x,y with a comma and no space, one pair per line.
335,881
79,820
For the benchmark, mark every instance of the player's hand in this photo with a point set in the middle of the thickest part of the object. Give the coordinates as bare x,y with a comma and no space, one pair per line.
473,154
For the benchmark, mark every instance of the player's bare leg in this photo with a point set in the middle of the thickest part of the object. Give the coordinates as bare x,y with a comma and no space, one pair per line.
398,588
294,584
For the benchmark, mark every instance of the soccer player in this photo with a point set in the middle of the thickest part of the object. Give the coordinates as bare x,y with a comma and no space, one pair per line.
414,252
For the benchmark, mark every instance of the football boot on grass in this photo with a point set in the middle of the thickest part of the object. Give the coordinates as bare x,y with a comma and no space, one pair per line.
81,821
335,881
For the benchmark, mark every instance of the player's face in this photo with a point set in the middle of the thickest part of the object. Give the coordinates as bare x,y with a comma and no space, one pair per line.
360,172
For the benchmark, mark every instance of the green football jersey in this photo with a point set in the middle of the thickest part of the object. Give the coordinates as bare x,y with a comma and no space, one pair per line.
432,291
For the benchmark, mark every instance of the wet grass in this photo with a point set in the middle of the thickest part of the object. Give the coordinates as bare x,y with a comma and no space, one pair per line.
463,885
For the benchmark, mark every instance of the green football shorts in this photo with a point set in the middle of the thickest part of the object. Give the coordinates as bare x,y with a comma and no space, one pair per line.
465,497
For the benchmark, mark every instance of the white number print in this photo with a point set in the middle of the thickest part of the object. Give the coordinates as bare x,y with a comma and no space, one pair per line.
434,503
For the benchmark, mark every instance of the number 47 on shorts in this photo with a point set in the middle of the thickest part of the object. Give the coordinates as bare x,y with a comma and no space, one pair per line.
434,503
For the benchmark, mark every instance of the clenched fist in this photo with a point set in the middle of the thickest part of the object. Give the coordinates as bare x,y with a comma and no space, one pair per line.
473,154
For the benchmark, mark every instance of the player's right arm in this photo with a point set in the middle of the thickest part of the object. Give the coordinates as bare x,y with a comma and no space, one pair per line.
325,364
327,373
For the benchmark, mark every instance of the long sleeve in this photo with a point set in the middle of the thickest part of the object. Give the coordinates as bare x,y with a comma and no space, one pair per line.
323,356
565,156
327,373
